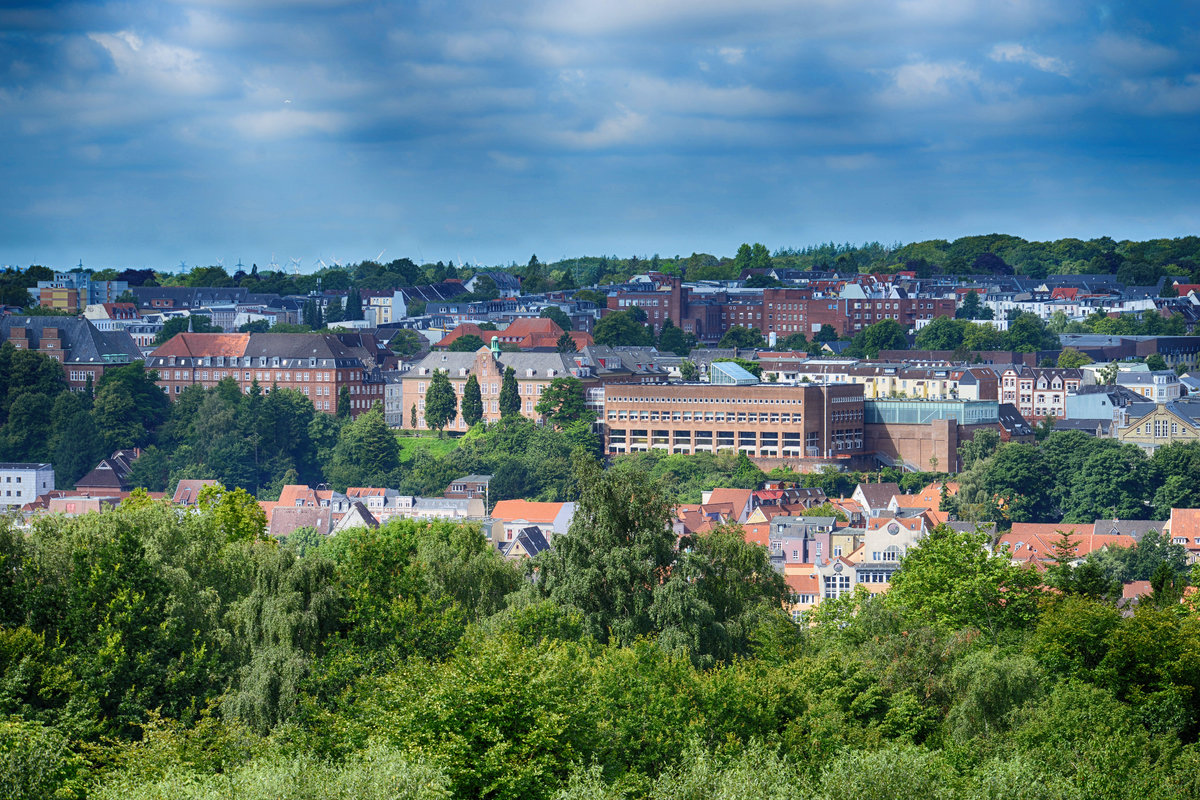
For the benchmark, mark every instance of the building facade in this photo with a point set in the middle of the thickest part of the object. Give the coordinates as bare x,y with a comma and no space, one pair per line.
762,421
22,483
317,366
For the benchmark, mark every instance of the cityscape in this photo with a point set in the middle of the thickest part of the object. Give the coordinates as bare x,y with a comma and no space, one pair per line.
599,401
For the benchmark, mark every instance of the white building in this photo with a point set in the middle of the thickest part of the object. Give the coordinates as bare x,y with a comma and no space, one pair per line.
22,483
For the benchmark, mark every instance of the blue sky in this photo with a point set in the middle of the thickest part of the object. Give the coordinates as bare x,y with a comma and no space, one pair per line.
145,133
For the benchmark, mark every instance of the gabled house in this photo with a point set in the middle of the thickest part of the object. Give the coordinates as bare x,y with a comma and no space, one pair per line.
186,491
874,498
551,518
110,475
527,543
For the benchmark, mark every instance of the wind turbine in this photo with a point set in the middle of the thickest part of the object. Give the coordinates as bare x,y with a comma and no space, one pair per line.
323,264
295,266
274,266
221,262
381,252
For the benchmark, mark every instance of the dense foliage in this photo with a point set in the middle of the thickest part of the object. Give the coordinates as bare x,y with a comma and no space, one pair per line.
150,654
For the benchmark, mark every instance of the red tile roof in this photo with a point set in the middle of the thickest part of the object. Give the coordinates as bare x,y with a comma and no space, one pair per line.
204,344
537,513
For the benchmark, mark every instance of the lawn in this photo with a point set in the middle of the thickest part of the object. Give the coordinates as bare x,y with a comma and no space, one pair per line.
438,447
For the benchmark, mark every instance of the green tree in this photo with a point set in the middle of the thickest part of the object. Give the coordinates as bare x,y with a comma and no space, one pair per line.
472,402
197,323
942,333
343,403
366,454
562,402
565,344
335,311
235,514
1112,483
971,308
883,335
559,317
354,306
721,589
827,334
619,548
1070,358
510,398
742,338
688,371
622,329
1027,334
672,339
951,580
441,404
1156,362
406,343
467,343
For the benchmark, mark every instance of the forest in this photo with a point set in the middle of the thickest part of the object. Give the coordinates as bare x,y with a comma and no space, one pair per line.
146,653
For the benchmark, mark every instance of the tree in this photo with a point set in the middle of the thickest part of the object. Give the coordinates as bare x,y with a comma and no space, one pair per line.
335,311
742,338
887,334
562,402
952,581
343,403
688,371
942,333
558,316
1027,334
406,343
412,416
235,514
1156,363
510,398
129,406
721,589
366,454
619,548
1114,483
622,329
565,344
827,334
472,401
672,339
354,306
198,323
468,343
441,404
971,308
1070,358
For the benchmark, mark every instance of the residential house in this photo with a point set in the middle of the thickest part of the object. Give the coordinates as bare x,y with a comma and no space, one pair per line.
527,543
874,498
1184,529
188,491
84,351
1152,425
1039,392
111,475
552,518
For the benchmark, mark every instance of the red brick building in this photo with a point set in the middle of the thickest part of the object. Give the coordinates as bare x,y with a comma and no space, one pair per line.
316,365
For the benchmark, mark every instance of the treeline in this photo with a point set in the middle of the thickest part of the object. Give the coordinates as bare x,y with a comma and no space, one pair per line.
150,654
1070,476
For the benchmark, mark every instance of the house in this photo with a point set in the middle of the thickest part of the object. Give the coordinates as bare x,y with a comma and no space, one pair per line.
1038,392
284,520
804,587
357,517
111,475
22,483
1033,543
552,518
874,498
469,486
740,502
1184,529
1152,425
187,491
75,505
527,543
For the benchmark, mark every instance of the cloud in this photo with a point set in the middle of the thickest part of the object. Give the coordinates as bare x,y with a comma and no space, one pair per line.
1020,54
922,80
154,63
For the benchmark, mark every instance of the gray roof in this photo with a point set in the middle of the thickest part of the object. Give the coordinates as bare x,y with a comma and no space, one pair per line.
82,343
1185,408
1137,528
1102,427
23,465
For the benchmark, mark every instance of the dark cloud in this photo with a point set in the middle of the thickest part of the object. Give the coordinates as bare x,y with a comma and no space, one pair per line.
142,133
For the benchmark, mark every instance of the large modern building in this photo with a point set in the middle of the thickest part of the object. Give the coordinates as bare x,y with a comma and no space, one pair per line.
762,421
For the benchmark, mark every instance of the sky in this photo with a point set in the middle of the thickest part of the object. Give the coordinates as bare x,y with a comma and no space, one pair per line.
145,134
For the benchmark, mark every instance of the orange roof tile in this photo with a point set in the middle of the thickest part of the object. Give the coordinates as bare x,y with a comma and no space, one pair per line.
204,344
536,513
465,329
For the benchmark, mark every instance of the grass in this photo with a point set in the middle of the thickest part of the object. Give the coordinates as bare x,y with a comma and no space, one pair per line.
411,443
